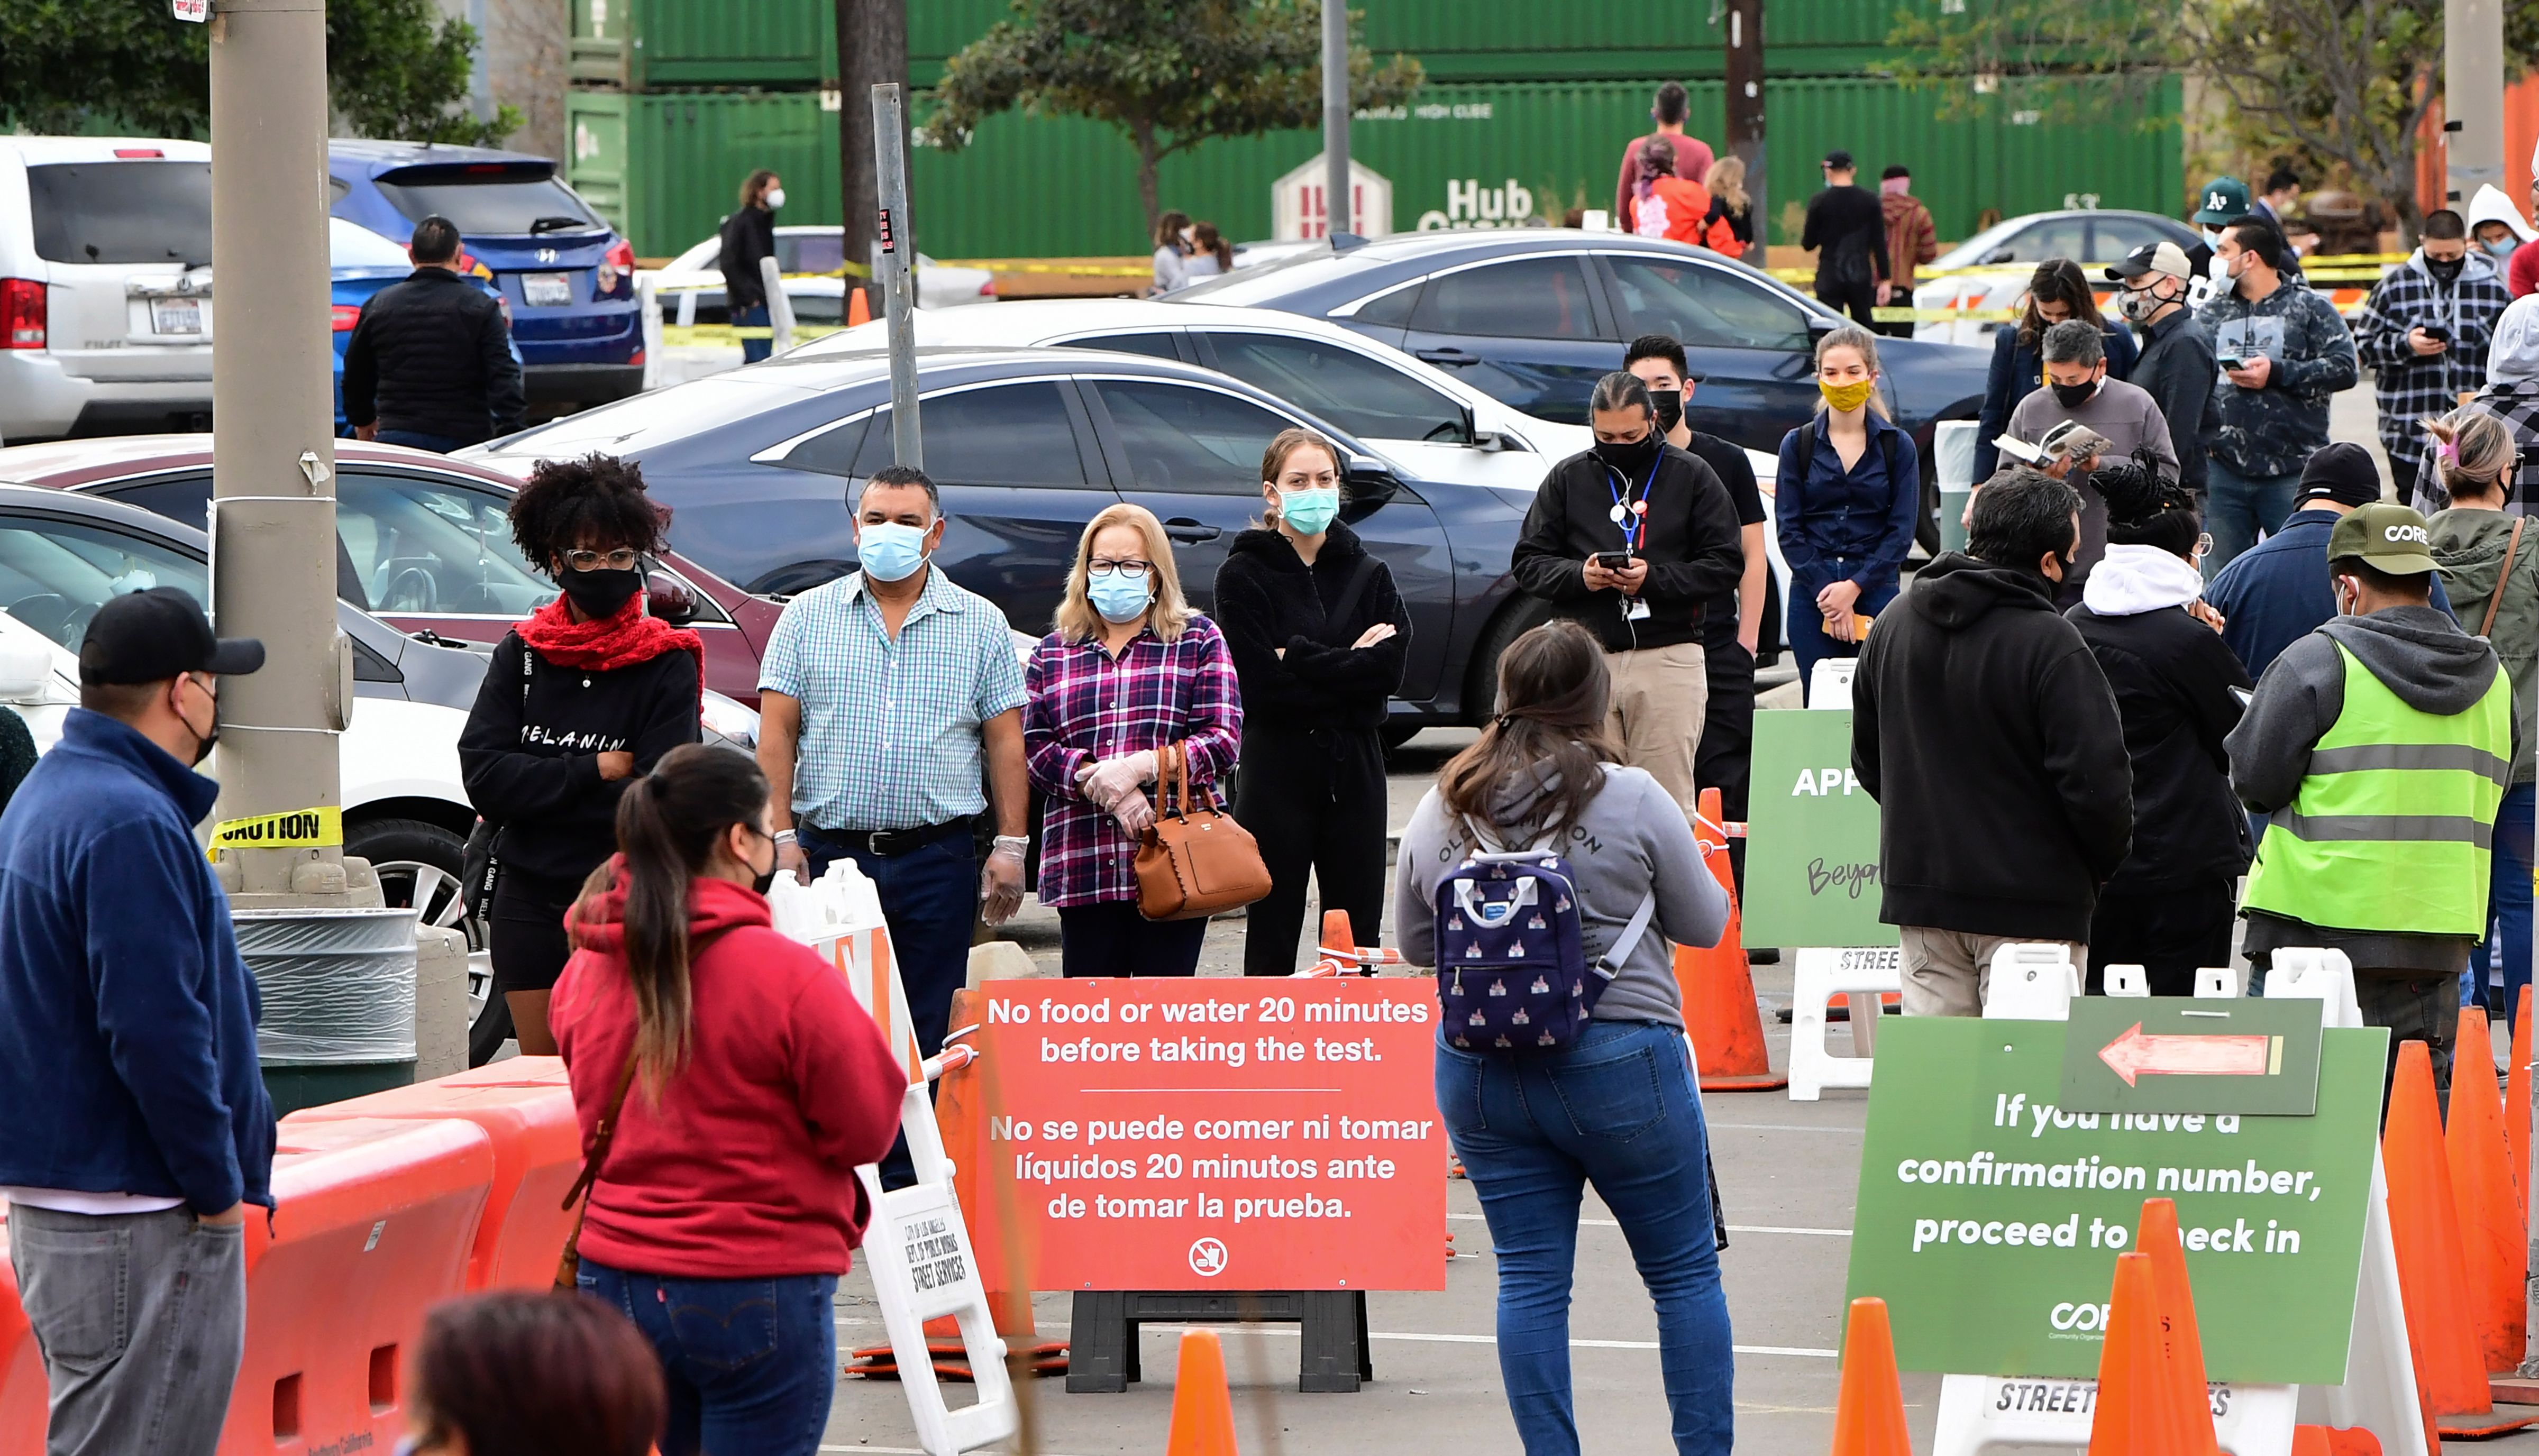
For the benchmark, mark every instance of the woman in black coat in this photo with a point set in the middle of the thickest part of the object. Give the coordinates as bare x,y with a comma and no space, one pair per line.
2168,906
1319,636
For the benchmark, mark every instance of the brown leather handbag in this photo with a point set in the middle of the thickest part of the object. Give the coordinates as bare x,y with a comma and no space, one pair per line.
602,1134
1193,859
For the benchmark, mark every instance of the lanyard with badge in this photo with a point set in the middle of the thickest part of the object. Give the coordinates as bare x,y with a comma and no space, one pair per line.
1630,515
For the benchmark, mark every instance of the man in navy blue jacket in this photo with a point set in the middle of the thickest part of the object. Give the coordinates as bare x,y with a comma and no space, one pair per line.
2277,591
140,1130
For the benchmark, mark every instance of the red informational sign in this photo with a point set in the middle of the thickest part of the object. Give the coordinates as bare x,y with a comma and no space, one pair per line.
1215,1134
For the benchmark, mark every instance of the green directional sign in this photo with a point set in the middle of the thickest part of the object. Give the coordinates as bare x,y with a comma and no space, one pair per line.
1812,865
2191,1053
1990,1217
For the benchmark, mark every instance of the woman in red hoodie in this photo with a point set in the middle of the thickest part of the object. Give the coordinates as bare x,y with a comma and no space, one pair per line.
749,1084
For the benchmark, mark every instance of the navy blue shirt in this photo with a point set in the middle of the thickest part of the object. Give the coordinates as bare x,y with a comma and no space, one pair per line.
127,1018
2277,591
1857,524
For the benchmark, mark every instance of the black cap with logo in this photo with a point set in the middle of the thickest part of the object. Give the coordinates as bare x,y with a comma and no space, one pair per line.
154,634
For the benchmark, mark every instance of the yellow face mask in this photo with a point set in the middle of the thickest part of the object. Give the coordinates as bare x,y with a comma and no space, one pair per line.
1846,398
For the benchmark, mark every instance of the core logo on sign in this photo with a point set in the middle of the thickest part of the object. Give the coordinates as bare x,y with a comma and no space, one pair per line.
2079,1316
1207,1257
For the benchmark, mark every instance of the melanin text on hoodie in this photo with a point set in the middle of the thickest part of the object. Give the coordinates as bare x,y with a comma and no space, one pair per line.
1986,731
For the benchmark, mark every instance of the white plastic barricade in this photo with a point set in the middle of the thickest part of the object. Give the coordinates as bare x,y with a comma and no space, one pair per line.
2222,981
1829,685
2128,981
2031,983
918,1248
1822,974
1980,1412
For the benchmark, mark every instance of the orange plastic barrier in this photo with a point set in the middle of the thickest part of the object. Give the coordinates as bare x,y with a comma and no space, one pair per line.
2330,1440
2492,1247
374,1223
2144,1408
2432,1274
1717,986
2181,1345
525,1106
2516,1107
1202,1407
23,1394
1868,1414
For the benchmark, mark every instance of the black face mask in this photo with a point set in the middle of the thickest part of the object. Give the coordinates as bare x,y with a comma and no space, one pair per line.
208,737
1632,458
763,882
601,592
1669,404
2445,273
2073,396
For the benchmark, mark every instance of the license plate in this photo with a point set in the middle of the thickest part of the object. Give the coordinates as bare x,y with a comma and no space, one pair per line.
177,316
546,290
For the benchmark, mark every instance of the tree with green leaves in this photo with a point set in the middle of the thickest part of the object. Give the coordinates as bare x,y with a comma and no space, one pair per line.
397,70
2341,84
1170,74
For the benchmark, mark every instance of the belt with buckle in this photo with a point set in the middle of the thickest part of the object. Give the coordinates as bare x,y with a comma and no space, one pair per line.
887,841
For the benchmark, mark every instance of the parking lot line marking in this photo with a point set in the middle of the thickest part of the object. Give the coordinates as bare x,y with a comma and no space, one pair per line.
1787,1128
1732,1228
1417,1339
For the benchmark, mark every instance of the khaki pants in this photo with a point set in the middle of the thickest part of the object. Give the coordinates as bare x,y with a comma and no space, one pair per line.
1661,695
1947,972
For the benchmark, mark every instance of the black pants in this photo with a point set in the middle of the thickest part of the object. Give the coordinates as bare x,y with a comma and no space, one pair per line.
1725,760
1855,297
1111,939
2418,1006
1316,802
2169,933
2402,476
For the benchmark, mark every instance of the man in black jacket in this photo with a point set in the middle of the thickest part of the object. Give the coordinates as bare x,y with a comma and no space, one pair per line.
2175,366
431,363
1631,539
1846,229
2012,800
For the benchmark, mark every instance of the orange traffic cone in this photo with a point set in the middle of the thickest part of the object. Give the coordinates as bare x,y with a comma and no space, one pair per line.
2432,1275
1717,987
2516,1106
2493,1248
1203,1408
2143,1409
2331,1440
1869,1415
858,308
2156,1235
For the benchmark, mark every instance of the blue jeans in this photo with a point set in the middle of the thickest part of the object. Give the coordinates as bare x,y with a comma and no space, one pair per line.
755,316
417,439
1616,1109
2239,508
1806,634
750,1364
2508,908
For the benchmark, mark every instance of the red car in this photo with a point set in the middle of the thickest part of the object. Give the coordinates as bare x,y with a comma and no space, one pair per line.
424,540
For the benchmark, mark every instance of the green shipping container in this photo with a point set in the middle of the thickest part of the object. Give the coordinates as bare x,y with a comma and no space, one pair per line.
666,167
640,44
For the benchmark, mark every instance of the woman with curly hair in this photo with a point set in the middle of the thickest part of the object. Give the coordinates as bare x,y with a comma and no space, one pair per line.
582,698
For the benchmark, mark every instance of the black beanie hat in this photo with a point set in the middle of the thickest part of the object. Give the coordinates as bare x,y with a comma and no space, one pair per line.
2342,472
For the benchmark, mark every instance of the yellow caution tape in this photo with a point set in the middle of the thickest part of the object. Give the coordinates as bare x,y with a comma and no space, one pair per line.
676,336
292,829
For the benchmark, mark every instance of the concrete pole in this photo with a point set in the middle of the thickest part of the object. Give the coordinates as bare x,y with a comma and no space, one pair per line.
273,439
1336,213
898,253
1745,75
2472,97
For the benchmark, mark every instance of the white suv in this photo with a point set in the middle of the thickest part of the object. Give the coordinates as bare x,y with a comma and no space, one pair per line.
106,285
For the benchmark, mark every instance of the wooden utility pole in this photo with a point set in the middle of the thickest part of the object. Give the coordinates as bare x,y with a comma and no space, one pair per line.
1744,38
872,50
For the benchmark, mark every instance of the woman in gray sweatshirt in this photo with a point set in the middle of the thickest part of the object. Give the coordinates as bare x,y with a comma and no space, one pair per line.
1617,1107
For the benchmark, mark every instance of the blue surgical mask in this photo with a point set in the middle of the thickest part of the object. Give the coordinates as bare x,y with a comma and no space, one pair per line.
1120,597
891,552
1311,511
2503,246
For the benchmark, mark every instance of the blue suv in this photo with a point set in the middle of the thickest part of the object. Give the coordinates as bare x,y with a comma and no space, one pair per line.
565,276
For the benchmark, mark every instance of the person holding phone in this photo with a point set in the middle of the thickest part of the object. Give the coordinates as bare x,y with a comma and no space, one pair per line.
1633,540
2424,333
2284,354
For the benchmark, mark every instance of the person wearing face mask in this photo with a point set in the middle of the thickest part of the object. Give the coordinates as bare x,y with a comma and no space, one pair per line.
749,235
2380,747
580,698
2057,292
1317,634
1635,540
1128,669
2424,333
128,1047
2495,228
2077,388
890,720
2176,367
2010,800
1847,493
743,1084
2283,354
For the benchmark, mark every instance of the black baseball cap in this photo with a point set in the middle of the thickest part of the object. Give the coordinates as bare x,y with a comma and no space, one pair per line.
1839,159
154,634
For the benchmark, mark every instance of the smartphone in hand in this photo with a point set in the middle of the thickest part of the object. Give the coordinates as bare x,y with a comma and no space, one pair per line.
1613,561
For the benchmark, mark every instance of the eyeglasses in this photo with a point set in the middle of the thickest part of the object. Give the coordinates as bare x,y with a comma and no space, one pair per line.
1098,569
621,559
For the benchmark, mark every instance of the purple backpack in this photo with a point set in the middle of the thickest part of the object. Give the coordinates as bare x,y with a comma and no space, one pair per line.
1512,969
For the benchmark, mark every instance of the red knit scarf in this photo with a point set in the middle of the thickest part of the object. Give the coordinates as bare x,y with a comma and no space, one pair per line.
603,643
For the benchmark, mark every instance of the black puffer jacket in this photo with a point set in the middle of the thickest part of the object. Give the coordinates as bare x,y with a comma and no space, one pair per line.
432,355
1268,599
2174,678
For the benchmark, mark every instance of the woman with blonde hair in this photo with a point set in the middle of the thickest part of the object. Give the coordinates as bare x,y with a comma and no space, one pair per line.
1729,230
1129,669
1849,488
2490,569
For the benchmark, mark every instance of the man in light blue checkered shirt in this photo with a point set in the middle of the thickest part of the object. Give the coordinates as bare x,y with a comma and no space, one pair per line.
886,698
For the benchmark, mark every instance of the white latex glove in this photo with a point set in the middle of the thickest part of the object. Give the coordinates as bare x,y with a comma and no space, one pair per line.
1115,776
1133,812
1000,883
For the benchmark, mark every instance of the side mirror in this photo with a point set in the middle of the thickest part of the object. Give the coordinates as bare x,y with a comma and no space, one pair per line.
2000,254
1371,483
1821,324
667,597
1472,426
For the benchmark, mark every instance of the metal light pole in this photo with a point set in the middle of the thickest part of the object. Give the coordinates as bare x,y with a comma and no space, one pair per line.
1336,213
2472,97
898,249
1746,114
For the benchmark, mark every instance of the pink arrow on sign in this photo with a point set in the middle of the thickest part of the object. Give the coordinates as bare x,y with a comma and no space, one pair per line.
2132,1054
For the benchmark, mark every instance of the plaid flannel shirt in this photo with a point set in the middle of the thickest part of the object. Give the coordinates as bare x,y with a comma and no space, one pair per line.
1085,707
2517,404
2408,386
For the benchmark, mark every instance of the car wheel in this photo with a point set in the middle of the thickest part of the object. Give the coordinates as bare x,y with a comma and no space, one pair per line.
418,865
1482,677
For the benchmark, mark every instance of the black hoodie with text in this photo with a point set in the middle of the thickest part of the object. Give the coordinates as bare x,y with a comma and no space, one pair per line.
1986,731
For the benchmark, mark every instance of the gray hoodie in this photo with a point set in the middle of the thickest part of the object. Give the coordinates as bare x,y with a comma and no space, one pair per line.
1631,838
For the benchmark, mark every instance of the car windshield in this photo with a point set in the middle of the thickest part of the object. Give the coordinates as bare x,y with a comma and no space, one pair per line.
352,246
494,206
1963,256
123,211
1263,282
655,417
